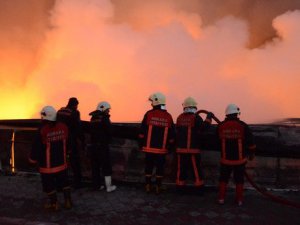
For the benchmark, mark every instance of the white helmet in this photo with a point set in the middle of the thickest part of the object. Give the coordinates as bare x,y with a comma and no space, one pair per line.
102,106
157,99
48,113
232,109
189,102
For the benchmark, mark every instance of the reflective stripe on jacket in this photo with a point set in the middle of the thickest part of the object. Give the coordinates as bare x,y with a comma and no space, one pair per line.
50,148
235,137
188,131
157,131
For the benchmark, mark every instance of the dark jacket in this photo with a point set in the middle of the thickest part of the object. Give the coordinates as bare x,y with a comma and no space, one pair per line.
100,128
50,148
71,117
157,131
235,139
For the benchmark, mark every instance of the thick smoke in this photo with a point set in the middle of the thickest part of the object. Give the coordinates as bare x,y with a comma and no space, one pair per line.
123,50
23,25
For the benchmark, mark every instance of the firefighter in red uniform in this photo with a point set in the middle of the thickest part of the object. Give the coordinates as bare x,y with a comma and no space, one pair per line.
100,130
236,144
71,117
157,134
50,152
189,127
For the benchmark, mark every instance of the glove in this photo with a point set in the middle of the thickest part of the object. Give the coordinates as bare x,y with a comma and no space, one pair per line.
32,163
172,148
210,115
68,157
251,156
140,143
87,150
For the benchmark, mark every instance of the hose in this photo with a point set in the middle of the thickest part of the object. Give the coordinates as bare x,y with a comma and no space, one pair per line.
206,112
269,195
262,191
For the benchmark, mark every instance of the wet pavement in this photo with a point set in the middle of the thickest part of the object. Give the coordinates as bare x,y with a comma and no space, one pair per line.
22,204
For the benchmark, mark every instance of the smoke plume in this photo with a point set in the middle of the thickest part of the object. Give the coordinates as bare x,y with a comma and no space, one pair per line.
121,51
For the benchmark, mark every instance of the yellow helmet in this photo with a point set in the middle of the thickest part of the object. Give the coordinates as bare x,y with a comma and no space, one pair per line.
189,102
157,99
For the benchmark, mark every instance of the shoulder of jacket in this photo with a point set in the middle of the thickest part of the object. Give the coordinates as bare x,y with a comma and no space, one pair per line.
166,112
180,115
221,123
243,122
61,125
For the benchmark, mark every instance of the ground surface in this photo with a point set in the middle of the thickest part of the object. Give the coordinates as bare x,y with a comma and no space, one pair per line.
22,200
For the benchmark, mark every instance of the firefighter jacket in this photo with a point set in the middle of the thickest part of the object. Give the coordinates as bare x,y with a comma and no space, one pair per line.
157,131
100,128
235,139
189,127
50,148
71,117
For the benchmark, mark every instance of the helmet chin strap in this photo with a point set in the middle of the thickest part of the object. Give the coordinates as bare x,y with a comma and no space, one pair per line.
189,110
163,107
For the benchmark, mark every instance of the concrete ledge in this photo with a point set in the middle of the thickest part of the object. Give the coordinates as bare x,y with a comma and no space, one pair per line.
277,163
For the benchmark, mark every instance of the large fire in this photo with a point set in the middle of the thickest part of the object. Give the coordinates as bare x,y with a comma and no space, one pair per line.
17,105
107,50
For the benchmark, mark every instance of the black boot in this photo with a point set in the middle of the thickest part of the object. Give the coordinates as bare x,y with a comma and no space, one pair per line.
67,195
158,184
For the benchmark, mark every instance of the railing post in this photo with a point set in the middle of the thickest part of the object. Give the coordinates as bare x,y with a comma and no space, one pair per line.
12,153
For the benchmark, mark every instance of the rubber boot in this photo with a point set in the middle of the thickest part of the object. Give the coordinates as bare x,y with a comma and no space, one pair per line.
109,187
67,195
52,203
222,192
239,189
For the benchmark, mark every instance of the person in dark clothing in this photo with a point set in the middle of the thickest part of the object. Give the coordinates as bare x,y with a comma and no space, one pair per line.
156,137
100,131
189,127
236,144
50,152
71,117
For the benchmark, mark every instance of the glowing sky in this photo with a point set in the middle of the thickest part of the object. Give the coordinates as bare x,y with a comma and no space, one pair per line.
121,51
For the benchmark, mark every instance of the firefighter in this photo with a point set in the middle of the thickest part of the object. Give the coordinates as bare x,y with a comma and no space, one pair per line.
157,134
71,117
49,151
236,144
100,130
189,127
